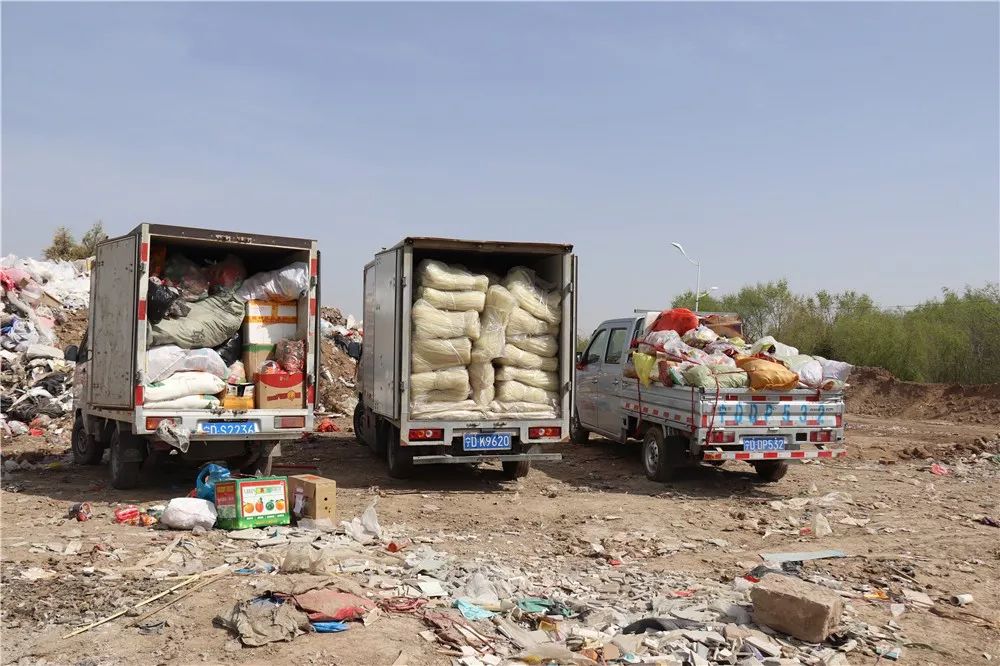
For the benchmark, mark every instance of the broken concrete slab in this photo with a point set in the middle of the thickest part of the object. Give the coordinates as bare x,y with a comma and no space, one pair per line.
800,609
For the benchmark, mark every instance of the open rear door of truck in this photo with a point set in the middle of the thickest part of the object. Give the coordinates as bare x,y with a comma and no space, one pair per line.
113,302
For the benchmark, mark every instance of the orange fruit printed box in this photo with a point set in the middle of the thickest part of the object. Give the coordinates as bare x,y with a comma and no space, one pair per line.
251,502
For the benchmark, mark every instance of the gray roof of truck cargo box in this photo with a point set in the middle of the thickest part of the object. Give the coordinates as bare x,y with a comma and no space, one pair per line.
425,243
194,233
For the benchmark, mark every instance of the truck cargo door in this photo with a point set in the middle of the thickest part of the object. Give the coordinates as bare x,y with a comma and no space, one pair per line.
114,323
385,352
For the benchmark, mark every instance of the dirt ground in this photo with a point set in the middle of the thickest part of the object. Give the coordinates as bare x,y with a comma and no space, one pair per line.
925,533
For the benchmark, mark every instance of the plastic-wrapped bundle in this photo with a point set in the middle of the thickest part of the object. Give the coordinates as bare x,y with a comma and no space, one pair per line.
707,376
429,355
162,362
537,378
719,360
527,410
535,296
463,409
523,359
439,275
291,355
543,345
523,322
809,369
210,322
456,301
767,375
518,392
185,402
444,395
700,337
499,306
440,380
768,343
481,377
430,322
286,284
835,370
181,384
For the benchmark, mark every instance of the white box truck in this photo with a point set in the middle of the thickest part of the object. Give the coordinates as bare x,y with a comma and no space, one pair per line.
110,377
383,419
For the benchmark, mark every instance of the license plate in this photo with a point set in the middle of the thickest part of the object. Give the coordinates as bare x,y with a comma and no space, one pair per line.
229,427
486,441
763,443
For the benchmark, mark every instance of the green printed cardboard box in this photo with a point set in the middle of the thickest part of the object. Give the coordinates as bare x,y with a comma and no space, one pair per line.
253,502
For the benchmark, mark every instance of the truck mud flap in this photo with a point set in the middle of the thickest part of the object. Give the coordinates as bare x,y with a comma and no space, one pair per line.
447,459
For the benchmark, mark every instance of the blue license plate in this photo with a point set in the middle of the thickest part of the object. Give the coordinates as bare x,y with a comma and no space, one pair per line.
486,441
763,443
229,427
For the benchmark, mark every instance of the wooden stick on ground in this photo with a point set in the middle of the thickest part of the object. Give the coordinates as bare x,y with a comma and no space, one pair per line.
175,600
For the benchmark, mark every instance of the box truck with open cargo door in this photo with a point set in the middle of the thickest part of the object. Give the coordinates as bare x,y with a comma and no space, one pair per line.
236,287
468,353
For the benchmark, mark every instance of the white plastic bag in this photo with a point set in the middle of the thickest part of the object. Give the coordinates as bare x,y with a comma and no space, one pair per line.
187,513
534,295
543,345
809,370
523,322
287,284
700,337
182,384
548,381
163,361
781,350
186,402
431,355
499,306
481,377
837,370
459,301
439,275
517,392
523,359
430,322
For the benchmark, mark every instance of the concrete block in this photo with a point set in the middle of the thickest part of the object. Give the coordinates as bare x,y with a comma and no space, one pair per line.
800,609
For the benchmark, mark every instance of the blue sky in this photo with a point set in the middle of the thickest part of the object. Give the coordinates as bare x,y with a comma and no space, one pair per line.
843,146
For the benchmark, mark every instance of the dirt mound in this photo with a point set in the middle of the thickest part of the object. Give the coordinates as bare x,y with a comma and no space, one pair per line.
337,380
70,326
874,391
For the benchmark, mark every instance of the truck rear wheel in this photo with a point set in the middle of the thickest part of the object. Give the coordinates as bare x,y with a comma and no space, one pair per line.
358,423
399,459
86,449
516,469
771,470
383,435
126,459
661,459
577,434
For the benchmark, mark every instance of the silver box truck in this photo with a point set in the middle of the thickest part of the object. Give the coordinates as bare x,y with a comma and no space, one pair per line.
110,375
382,419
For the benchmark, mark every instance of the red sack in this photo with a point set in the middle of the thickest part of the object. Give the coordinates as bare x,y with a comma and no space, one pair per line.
681,320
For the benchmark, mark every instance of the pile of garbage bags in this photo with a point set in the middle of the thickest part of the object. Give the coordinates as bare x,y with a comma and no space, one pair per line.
483,345
37,380
676,349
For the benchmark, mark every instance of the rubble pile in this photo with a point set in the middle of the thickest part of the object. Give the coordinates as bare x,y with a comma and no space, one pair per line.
38,297
341,346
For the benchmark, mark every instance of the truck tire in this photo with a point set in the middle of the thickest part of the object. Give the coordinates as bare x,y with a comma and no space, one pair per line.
383,434
516,469
86,449
771,470
399,459
661,459
126,460
358,422
577,434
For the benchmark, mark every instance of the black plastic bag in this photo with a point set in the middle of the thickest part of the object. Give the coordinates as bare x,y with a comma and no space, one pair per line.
232,348
160,299
54,383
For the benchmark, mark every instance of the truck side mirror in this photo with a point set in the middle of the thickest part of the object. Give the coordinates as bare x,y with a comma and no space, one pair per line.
71,353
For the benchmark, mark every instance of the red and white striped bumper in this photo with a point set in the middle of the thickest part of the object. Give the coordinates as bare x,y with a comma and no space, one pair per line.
772,455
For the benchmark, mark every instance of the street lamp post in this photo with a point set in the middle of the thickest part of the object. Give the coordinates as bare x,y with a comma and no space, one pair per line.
697,290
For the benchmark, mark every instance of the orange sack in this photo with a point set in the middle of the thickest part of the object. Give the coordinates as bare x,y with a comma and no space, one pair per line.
767,375
681,320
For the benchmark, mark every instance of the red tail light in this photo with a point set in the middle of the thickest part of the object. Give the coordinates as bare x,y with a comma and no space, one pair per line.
426,435
821,436
722,437
153,422
545,433
758,398
290,422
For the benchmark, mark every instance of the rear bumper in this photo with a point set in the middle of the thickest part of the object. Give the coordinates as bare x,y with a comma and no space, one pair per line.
773,455
515,457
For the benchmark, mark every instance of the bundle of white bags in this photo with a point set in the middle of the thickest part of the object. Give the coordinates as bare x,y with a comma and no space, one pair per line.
482,346
179,378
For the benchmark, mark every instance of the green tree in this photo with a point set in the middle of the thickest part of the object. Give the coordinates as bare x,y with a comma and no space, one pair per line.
62,246
88,245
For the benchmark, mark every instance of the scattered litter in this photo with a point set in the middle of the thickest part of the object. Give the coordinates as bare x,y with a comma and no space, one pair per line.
778,558
263,620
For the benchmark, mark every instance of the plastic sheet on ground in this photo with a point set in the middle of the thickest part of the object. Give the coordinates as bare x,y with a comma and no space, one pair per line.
439,275
429,355
164,361
210,323
458,301
261,621
366,528
543,345
523,359
499,306
431,322
534,294
548,381
286,284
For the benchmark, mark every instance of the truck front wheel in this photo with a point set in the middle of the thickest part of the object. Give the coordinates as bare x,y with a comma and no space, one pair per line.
399,458
771,471
86,449
126,459
516,469
661,459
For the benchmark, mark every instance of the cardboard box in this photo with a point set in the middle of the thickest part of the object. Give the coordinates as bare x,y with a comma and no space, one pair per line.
313,496
268,323
254,357
252,502
280,390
